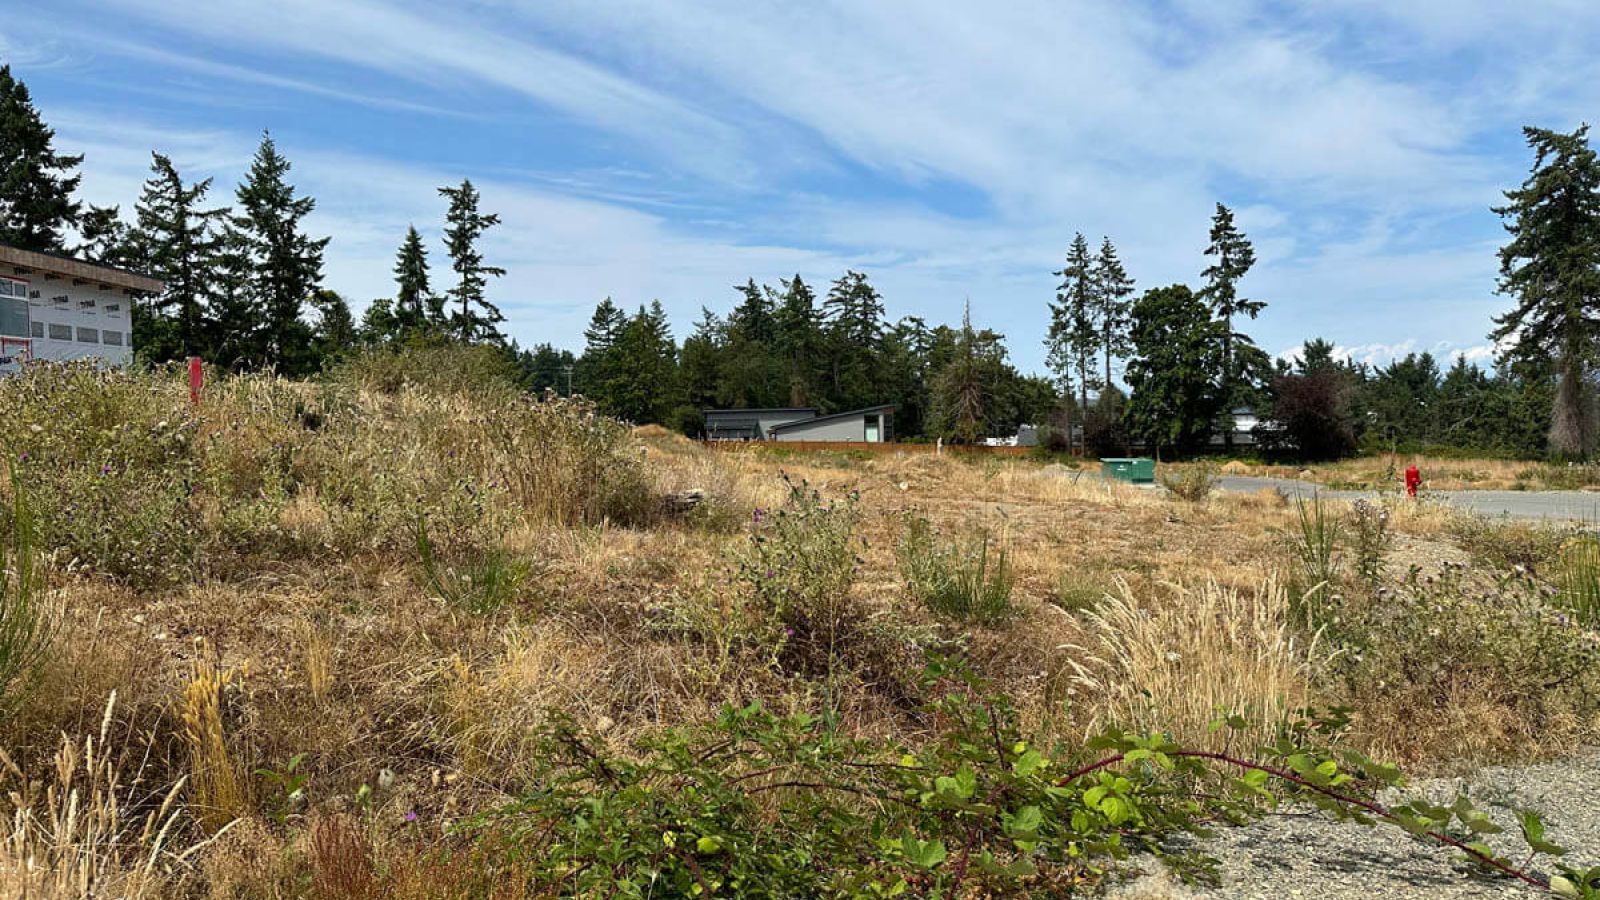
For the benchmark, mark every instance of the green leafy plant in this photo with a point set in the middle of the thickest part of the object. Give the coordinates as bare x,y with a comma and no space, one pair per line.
1192,484
289,787
1505,544
758,804
967,581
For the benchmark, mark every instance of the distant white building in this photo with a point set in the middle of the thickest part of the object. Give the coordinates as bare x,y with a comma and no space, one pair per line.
60,308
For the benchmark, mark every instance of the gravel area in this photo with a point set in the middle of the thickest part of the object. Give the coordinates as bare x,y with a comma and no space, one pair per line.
1308,855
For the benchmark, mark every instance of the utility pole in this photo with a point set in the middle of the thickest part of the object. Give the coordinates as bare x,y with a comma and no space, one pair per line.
568,371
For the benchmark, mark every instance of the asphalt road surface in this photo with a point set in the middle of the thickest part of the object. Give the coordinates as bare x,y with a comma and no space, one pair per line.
1564,505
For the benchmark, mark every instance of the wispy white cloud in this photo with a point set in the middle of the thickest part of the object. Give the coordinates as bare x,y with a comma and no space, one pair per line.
950,149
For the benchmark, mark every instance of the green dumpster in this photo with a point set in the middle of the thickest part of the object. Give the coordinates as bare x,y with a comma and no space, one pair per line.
1137,469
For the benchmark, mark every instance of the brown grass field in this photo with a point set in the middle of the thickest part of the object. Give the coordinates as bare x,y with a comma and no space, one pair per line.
257,687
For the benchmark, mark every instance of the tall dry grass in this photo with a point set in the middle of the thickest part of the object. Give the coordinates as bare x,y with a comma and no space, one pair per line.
98,824
1178,660
220,793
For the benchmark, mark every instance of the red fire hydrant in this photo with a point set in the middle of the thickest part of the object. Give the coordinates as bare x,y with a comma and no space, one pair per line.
1413,480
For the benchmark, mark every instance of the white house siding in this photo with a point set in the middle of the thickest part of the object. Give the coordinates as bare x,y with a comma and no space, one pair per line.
63,309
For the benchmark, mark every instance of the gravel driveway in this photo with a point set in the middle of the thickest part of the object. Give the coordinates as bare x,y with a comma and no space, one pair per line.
1307,855
1576,505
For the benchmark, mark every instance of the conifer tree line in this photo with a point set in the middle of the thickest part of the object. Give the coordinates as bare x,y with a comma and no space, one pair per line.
1160,370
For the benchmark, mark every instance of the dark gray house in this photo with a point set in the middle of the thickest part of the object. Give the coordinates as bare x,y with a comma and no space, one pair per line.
874,424
751,424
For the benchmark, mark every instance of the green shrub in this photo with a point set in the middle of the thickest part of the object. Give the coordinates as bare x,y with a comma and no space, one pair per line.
1193,483
1505,544
480,584
1370,539
432,365
26,628
109,459
799,568
130,482
1499,671
966,581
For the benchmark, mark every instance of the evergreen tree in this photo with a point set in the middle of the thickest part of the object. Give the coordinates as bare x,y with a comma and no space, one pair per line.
287,262
415,305
1551,266
545,368
178,244
753,372
798,328
753,317
700,362
1074,338
1172,371
968,390
643,384
476,318
854,314
1113,288
1315,355
1234,258
336,327
106,239
36,183
379,323
600,339
236,324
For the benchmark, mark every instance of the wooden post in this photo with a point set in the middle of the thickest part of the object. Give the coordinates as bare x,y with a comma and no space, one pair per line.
196,380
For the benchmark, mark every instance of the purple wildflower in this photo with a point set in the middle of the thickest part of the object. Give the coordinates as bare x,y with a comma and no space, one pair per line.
759,515
411,816
769,573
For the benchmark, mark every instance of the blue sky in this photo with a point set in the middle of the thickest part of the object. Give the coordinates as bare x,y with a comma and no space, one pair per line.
647,149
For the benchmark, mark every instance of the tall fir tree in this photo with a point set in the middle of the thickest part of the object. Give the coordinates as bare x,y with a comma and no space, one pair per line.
475,318
287,261
178,244
854,314
700,362
236,324
799,339
1074,340
643,383
36,182
1234,258
104,239
599,341
415,305
1551,266
1113,305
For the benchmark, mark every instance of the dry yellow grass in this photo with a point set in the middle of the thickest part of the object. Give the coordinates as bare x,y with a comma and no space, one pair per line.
1131,608
220,791
1178,662
92,824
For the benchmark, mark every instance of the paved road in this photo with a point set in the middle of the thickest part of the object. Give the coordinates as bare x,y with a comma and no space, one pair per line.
1578,505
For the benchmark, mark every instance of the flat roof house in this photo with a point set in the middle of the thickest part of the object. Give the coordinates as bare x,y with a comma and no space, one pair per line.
60,308
874,424
751,424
